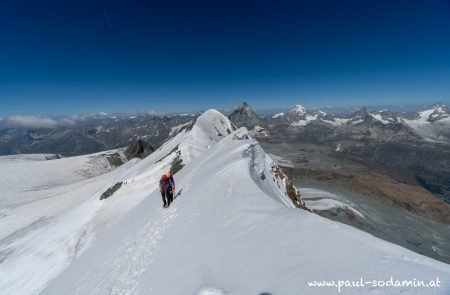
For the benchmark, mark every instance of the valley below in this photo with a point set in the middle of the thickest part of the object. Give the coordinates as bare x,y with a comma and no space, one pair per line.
384,201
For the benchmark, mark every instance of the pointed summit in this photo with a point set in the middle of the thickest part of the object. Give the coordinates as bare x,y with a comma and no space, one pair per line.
362,112
243,107
244,116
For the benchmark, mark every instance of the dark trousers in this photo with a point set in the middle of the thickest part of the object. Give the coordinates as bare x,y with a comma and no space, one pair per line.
167,196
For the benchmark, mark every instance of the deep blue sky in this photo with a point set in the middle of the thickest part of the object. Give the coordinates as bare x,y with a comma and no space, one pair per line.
63,57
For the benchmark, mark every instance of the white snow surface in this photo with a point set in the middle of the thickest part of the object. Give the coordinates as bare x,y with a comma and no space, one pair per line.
278,115
298,109
50,210
430,130
336,121
356,122
176,129
231,230
425,116
380,118
316,199
259,131
301,123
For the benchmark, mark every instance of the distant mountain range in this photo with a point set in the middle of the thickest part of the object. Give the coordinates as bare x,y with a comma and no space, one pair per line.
396,159
236,226
87,134
418,141
429,124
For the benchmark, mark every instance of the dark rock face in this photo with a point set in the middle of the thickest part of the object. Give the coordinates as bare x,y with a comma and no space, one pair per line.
177,164
114,160
138,149
54,157
109,192
244,116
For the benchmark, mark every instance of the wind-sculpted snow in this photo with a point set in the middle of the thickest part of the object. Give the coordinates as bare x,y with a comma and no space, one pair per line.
258,164
229,231
270,177
257,161
66,194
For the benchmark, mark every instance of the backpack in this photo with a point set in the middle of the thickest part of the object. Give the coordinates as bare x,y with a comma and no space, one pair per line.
164,184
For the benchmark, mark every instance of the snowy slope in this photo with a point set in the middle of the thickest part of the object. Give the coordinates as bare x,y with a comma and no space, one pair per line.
50,210
232,230
301,123
432,124
298,109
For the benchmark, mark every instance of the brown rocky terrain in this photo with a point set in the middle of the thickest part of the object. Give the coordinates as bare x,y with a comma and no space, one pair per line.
385,201
411,197
385,184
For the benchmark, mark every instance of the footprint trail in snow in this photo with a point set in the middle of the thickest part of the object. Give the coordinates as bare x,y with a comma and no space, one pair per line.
138,253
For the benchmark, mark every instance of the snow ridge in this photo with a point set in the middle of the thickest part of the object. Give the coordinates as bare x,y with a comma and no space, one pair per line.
260,170
231,230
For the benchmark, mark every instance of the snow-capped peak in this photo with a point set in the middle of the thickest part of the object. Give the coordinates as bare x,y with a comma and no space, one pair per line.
243,106
298,109
436,112
322,113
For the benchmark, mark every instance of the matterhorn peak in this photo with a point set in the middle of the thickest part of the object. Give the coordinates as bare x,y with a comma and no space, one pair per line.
243,115
242,106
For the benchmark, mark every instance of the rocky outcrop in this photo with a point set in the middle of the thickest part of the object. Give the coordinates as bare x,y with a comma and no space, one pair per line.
138,149
291,191
176,164
271,177
114,160
110,191
53,157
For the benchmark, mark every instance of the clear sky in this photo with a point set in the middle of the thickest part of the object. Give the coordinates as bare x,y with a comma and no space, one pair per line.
64,57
